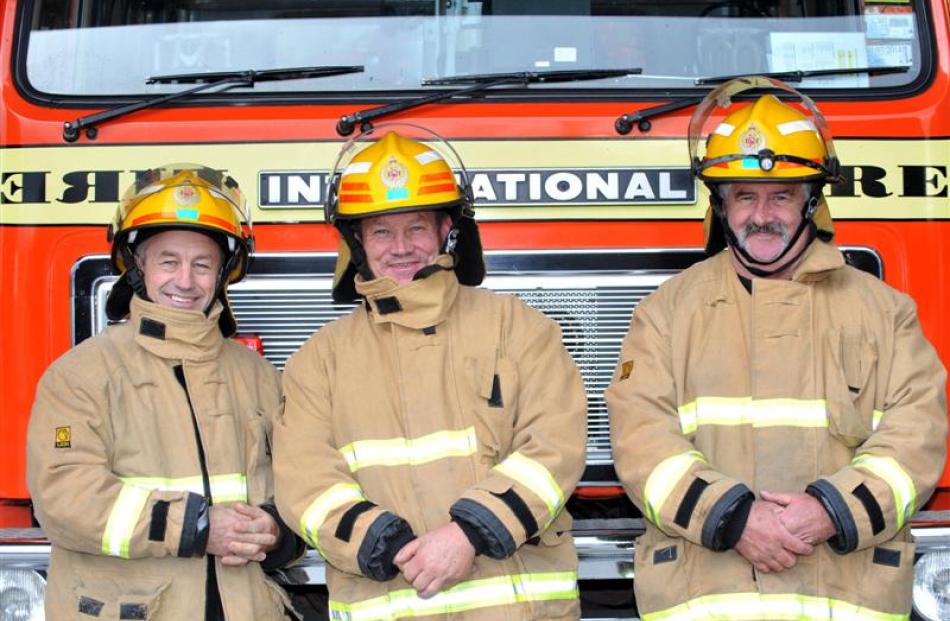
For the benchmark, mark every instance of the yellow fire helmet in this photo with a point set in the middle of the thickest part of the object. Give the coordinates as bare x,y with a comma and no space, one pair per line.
384,171
180,197
767,141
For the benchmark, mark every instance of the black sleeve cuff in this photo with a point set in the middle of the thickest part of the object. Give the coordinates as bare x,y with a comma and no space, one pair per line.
289,547
846,537
195,527
498,542
474,537
719,532
384,538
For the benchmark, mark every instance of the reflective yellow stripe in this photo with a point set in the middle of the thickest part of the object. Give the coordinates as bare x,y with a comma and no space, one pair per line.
755,412
876,420
410,451
224,487
905,494
664,478
316,514
134,494
536,478
498,591
754,606
122,520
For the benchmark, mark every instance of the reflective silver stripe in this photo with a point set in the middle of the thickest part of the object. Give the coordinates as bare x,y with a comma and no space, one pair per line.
536,478
755,412
469,595
876,420
793,127
664,478
224,487
905,493
316,514
122,520
755,606
410,451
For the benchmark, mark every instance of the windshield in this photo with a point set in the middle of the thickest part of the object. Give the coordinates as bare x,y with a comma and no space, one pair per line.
104,48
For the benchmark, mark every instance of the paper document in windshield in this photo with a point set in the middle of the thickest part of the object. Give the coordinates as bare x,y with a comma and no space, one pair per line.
803,51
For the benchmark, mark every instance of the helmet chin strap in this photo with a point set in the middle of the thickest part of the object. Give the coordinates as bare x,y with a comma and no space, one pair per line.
133,274
756,266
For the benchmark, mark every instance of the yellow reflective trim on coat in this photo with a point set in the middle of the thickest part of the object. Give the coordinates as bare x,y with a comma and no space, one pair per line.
122,520
664,478
469,595
779,606
224,487
316,514
410,451
876,419
536,478
733,411
905,494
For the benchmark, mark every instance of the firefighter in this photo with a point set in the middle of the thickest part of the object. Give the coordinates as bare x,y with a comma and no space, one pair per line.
430,438
147,446
777,415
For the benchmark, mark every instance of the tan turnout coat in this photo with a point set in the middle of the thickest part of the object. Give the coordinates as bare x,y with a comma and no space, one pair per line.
461,393
823,380
111,437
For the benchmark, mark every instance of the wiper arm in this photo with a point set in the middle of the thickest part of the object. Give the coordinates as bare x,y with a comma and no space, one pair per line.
641,118
206,81
478,83
801,74
625,122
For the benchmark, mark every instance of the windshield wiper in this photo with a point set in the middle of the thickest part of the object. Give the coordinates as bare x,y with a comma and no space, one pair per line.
625,122
800,74
206,81
478,83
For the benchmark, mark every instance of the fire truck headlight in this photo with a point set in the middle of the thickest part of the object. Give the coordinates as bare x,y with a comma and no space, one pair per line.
932,585
21,595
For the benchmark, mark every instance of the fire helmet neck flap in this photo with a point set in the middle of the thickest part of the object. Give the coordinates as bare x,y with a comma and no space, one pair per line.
384,171
767,141
180,197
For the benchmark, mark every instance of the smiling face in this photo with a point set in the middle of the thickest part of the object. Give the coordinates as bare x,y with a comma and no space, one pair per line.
765,216
180,269
399,245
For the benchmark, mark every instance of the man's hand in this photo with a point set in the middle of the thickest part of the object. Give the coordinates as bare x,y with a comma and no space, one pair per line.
803,516
436,561
240,533
766,543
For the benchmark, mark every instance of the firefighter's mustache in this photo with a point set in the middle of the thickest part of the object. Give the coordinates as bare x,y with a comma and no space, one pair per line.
770,228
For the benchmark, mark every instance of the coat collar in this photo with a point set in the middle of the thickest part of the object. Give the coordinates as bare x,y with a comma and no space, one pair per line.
419,304
176,334
818,262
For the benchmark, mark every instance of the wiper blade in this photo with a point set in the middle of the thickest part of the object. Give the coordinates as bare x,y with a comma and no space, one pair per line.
534,77
252,76
801,74
205,81
625,122
478,83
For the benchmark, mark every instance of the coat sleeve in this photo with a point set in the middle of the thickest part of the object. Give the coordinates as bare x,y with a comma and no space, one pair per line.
537,381
80,502
315,490
895,470
663,472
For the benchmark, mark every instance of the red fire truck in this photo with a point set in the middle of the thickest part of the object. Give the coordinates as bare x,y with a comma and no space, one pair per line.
571,116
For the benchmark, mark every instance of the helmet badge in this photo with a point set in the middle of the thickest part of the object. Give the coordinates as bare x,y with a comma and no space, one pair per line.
394,176
186,195
752,140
